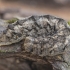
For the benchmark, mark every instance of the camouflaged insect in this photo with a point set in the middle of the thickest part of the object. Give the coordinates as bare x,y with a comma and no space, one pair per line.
42,35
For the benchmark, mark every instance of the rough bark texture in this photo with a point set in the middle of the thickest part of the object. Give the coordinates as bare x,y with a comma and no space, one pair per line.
46,36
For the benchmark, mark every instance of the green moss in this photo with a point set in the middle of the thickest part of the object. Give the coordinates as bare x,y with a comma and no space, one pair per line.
2,51
69,23
12,20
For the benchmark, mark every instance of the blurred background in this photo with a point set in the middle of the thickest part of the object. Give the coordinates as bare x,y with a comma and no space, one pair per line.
24,8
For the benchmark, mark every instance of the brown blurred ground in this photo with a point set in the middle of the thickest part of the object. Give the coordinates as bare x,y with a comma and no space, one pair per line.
33,7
